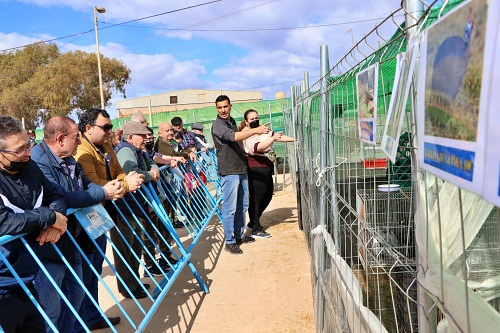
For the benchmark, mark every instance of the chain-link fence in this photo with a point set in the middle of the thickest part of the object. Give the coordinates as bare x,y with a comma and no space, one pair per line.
394,249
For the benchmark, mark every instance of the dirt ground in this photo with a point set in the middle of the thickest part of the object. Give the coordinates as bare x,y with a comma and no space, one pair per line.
265,289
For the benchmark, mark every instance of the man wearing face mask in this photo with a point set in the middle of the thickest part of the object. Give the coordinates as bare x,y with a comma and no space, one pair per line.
150,246
30,204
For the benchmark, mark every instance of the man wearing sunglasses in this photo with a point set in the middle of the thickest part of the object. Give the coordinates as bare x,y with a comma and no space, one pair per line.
29,204
54,156
100,165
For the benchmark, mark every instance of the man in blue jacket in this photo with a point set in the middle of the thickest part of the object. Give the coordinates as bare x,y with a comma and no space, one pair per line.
30,204
54,156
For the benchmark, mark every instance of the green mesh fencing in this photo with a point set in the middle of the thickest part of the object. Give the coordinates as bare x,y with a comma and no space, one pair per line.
269,111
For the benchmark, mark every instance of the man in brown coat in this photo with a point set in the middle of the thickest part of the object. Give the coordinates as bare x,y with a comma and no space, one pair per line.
100,165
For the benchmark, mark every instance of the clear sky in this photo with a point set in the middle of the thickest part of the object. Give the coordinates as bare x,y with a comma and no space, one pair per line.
263,45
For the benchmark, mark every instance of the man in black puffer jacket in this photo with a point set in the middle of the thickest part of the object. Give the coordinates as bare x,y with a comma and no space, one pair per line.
30,204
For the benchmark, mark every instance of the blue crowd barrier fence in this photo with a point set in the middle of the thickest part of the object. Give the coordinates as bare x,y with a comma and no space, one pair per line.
143,231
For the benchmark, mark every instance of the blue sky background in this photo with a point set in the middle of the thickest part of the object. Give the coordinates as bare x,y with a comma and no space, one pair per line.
219,57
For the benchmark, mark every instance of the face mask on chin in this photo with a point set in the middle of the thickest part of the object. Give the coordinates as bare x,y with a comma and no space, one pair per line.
254,124
149,145
17,166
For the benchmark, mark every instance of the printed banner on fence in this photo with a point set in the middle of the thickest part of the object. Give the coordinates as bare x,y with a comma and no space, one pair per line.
492,173
367,90
454,87
397,107
95,220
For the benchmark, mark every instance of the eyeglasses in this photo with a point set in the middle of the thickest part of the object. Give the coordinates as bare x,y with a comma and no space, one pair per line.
76,137
21,151
105,128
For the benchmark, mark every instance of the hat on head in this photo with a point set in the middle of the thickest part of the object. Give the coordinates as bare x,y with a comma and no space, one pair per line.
197,126
134,127
176,121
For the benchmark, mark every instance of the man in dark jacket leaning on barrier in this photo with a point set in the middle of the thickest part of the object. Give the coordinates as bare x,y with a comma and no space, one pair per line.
54,156
29,204
131,158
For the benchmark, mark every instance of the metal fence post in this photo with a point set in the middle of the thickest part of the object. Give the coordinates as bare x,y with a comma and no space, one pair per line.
323,220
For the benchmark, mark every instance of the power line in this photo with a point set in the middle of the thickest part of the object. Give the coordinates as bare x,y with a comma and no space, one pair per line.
261,29
48,40
160,14
192,25
279,83
79,34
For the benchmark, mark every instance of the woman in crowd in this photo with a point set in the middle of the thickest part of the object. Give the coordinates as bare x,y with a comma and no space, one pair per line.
260,171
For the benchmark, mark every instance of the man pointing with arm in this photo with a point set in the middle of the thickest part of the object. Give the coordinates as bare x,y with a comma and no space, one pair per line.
232,164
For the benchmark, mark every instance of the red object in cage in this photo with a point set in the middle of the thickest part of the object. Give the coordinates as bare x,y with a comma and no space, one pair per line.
374,163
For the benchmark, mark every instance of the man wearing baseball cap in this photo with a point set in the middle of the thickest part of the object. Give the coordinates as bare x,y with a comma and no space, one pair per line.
130,155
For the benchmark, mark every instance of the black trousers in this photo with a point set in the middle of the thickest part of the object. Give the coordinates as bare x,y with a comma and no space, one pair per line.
18,314
261,188
149,250
128,247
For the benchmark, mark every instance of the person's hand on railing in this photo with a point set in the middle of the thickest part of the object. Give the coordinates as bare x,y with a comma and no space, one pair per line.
192,156
180,159
61,222
48,235
114,190
155,174
173,163
55,231
134,180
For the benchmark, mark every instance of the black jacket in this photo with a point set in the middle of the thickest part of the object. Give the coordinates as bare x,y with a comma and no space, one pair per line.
27,204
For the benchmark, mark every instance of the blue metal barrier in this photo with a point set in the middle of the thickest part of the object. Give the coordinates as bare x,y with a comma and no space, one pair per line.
194,193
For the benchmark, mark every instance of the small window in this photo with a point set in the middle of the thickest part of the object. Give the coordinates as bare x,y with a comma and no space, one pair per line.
173,99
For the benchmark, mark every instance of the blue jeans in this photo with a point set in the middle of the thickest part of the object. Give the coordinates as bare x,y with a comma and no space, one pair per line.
88,312
55,308
234,206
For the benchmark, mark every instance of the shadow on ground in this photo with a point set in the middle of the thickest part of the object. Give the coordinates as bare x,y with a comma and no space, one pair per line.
177,311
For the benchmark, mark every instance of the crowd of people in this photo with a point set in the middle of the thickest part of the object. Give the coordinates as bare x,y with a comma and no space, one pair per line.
84,164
